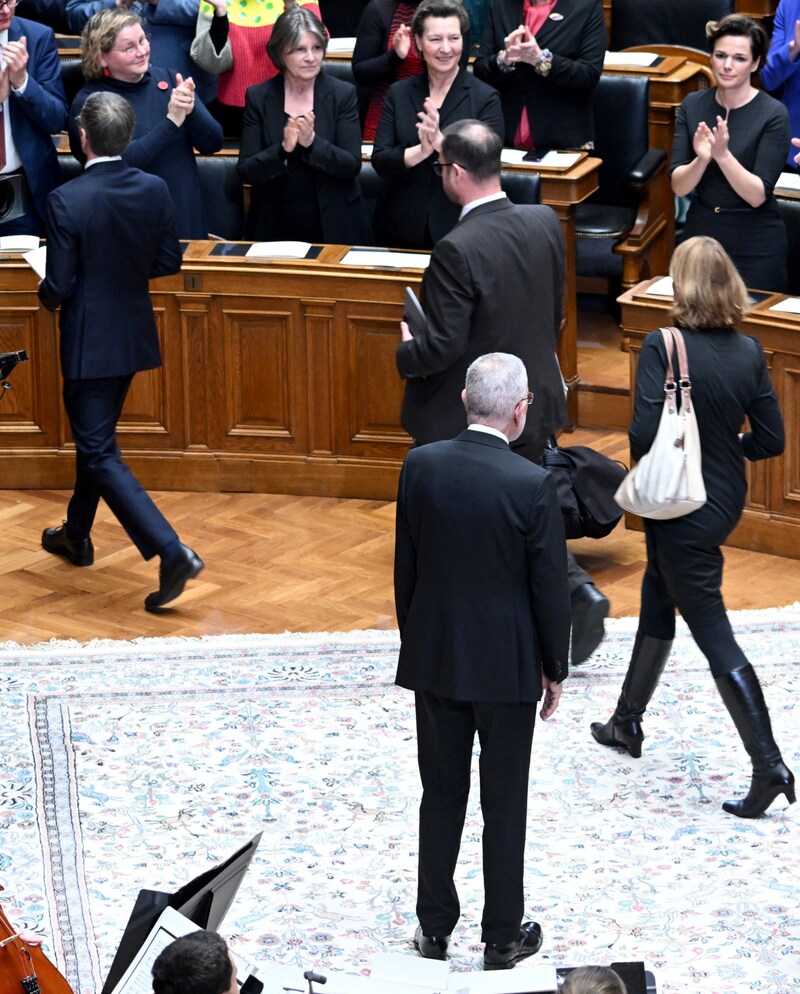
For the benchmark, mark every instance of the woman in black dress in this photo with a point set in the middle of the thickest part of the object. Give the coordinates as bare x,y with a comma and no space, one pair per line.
729,149
730,381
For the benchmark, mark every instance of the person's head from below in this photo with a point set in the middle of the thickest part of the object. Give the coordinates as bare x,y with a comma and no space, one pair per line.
197,963
106,123
496,393
738,46
707,288
113,43
593,980
298,44
469,162
438,28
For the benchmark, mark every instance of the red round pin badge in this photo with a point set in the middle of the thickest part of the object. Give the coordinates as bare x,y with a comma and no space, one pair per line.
163,85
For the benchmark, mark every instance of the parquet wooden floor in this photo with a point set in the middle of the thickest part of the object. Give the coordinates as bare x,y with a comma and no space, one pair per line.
277,563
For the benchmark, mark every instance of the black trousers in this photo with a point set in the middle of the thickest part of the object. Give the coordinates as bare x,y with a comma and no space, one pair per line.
445,735
94,407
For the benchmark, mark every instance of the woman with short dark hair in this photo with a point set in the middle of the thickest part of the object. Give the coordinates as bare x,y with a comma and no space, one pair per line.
730,146
730,382
415,212
301,143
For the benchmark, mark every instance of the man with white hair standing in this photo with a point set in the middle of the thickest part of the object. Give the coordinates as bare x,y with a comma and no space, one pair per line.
484,615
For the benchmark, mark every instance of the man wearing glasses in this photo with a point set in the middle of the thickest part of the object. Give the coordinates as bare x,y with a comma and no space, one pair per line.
495,284
33,107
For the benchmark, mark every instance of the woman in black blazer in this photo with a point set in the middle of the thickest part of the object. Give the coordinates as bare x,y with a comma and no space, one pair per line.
415,212
301,143
730,381
546,77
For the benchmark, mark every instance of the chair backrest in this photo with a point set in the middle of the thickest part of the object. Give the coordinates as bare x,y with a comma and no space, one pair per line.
72,77
340,69
621,134
790,212
672,22
69,167
223,195
373,188
519,187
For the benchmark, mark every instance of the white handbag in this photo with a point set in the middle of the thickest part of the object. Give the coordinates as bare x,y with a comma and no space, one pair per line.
667,482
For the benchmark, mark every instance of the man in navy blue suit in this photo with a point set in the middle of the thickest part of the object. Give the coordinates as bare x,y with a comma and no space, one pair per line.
109,232
32,107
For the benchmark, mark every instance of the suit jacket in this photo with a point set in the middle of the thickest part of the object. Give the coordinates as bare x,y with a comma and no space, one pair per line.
560,104
782,73
40,112
334,156
109,231
494,284
480,573
415,199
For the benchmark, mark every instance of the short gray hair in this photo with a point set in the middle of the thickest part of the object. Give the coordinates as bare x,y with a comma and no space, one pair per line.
496,383
289,29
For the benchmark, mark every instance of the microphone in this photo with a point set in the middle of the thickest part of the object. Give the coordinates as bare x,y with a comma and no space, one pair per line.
315,978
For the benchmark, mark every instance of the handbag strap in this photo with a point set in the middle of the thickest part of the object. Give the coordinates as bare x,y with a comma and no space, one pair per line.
671,335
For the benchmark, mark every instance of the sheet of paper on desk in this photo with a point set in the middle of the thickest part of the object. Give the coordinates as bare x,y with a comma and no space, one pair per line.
788,181
523,979
789,306
632,59
661,288
279,250
366,151
19,243
37,260
340,46
550,160
386,259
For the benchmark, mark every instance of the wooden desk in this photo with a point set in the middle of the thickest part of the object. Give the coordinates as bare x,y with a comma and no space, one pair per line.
277,377
771,520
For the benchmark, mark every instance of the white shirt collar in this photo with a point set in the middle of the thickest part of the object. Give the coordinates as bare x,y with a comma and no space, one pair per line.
489,431
481,200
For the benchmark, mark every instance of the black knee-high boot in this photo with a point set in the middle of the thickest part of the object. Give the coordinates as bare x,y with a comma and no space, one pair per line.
624,728
742,696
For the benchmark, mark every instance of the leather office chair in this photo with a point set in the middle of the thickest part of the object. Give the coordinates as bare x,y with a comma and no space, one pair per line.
790,212
72,77
624,231
665,22
223,195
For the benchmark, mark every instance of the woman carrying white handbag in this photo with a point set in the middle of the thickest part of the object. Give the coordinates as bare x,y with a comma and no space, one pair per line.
729,381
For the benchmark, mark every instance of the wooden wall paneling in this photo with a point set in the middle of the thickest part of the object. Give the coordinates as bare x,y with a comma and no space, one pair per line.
29,408
374,389
785,489
260,384
317,318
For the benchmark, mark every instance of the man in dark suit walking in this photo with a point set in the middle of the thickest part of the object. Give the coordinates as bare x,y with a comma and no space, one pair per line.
109,232
494,283
483,609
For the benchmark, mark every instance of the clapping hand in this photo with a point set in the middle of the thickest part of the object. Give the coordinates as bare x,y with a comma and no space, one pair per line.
430,137
14,66
181,100
305,129
291,133
702,142
401,42
796,143
521,46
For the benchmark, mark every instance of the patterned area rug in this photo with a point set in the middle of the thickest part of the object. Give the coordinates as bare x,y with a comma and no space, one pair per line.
140,764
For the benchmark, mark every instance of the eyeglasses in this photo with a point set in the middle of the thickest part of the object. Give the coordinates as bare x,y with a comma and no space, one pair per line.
528,398
11,4
439,167
133,48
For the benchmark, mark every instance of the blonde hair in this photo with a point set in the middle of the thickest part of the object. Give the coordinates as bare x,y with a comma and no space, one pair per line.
593,980
708,290
99,35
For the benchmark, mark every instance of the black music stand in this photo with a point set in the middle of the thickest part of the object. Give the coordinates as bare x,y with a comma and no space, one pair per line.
204,901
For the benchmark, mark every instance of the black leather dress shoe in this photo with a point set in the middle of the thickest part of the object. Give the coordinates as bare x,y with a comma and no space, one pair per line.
589,612
55,540
497,957
173,577
431,946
